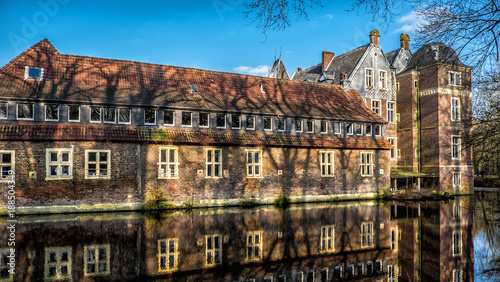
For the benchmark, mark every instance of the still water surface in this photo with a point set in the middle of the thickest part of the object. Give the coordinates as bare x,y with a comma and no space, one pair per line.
458,240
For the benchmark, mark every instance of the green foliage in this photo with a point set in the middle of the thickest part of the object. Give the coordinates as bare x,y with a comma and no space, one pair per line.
283,201
156,200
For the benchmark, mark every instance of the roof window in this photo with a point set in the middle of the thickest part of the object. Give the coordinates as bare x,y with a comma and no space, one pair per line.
193,88
33,73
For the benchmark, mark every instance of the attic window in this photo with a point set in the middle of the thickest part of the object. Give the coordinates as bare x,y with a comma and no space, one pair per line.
193,88
262,88
33,73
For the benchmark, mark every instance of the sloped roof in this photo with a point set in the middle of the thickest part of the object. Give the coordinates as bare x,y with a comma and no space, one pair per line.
434,52
96,80
392,55
100,132
344,63
278,70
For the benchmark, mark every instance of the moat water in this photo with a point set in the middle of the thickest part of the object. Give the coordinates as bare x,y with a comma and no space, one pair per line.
456,240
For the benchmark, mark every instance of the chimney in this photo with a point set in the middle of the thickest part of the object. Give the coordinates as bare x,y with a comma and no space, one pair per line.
374,37
326,58
404,39
299,69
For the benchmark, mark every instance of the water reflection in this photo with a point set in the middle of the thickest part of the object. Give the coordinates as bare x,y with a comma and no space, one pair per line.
365,241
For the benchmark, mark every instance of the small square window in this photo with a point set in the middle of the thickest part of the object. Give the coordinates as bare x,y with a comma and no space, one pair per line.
109,115
348,128
187,118
250,123
204,119
150,116
95,114
52,112
220,120
368,130
33,73
124,116
298,125
268,125
378,130
281,124
235,121
337,128
310,126
168,117
324,127
73,113
193,88
25,111
359,129
4,114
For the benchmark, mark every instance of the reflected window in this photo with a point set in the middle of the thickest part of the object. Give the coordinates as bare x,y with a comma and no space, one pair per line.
57,263
366,235
268,124
327,163
391,273
254,163
457,275
96,260
213,252
235,121
394,238
349,271
213,163
5,275
338,272
97,163
124,116
25,111
298,125
7,162
168,165
220,120
168,254
456,209
52,112
254,246
168,117
250,123
59,163
187,118
366,164
327,239
299,276
360,269
369,268
324,275
73,113
379,266
457,243
95,114
310,276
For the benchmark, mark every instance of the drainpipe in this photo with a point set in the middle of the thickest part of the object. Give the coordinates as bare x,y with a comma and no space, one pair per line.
419,125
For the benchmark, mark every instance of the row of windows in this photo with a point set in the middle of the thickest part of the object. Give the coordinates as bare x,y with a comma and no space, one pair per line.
370,78
391,109
98,114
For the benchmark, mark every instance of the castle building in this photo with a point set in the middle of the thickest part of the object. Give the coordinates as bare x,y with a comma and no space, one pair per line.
425,99
93,133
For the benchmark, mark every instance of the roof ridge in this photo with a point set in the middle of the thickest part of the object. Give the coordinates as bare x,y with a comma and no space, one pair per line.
45,40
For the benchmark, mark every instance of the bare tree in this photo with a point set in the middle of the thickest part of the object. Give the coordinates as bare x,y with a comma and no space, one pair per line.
277,14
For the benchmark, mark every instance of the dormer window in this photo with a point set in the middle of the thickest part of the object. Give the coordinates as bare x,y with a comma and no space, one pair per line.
33,73
193,89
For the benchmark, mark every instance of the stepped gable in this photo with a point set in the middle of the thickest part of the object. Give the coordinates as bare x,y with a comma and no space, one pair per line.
97,80
434,52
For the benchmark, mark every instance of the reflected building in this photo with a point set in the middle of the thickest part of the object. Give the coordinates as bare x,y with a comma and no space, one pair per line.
367,242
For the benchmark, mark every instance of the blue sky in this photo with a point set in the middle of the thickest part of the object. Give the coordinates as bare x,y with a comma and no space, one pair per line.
212,34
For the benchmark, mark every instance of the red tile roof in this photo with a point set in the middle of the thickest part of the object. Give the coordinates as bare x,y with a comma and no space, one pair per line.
104,132
86,79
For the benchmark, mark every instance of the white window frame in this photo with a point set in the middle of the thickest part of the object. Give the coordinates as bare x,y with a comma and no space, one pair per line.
155,116
327,239
369,132
252,165
98,162
312,127
327,163
376,106
100,114
300,121
270,122
27,73
208,120
212,164
58,264
246,122
326,126
190,119
59,163
32,111
97,260
253,244
284,124
455,109
379,129
366,163
69,113
368,78
458,275
167,254
391,111
456,147
103,113
6,110
457,209
351,126
456,180
392,273
394,238
339,127
394,142
457,233
360,126
173,118
129,115
382,80
239,121
167,163
367,235
3,165
213,250
48,105
454,78
217,119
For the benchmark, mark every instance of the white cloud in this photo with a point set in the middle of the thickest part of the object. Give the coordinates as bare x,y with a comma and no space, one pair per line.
329,16
410,21
259,70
